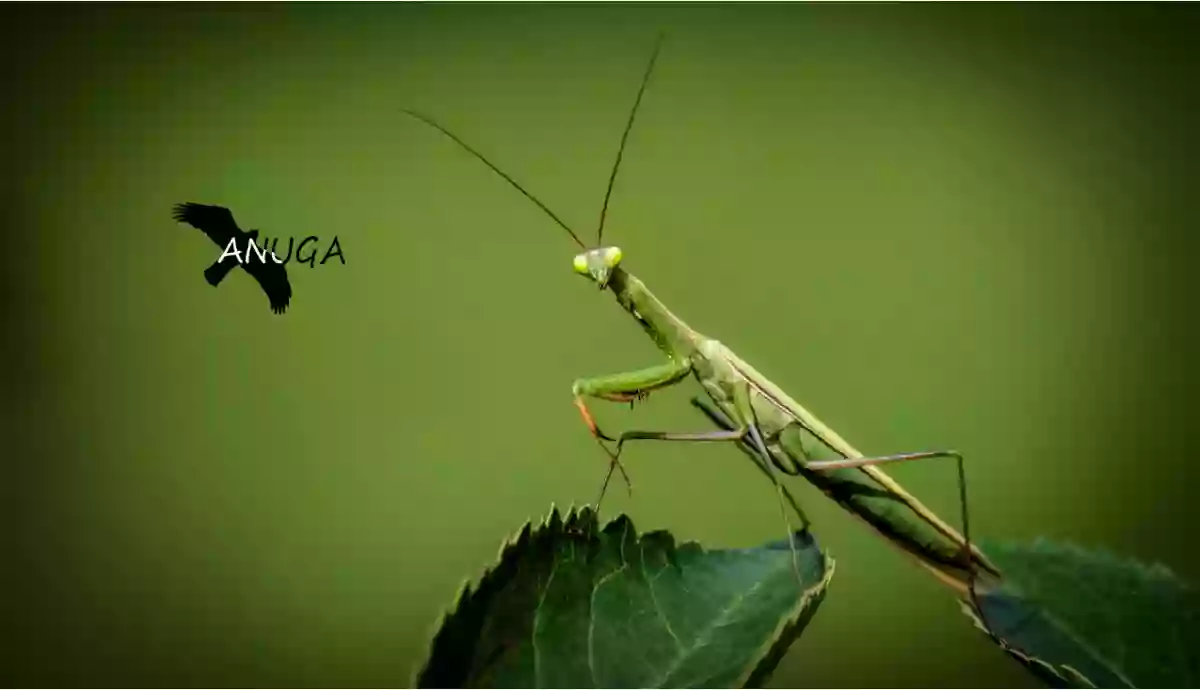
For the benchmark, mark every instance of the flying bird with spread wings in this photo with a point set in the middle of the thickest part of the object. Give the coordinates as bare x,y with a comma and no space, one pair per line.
217,222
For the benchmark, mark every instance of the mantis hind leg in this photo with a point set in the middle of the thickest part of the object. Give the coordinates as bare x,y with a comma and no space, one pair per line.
851,463
790,442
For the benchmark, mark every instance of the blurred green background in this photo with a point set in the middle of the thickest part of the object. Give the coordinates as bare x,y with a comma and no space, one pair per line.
965,226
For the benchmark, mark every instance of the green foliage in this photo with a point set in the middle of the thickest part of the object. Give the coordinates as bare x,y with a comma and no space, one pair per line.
1078,618
573,605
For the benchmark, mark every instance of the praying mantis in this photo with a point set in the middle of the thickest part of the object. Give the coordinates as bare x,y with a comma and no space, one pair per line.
749,410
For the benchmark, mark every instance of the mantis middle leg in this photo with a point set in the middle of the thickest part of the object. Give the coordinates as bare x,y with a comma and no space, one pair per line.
746,431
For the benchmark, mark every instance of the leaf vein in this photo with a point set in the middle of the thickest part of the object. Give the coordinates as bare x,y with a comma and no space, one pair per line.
654,599
537,620
704,638
1087,648
591,637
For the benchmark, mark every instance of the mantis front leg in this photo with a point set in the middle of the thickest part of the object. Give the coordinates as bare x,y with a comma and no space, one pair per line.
624,387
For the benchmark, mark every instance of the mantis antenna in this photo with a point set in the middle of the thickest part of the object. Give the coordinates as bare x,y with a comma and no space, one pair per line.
432,123
612,177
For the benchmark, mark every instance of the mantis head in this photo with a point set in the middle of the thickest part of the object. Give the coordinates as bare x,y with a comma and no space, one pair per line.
598,264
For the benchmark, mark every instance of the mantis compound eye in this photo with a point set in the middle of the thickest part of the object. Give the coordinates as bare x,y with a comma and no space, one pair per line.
612,256
581,264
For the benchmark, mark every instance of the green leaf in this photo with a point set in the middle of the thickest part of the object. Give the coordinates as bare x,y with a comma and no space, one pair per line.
1088,619
570,605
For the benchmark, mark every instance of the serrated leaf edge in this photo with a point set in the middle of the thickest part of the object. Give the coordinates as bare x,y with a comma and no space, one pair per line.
553,520
1068,674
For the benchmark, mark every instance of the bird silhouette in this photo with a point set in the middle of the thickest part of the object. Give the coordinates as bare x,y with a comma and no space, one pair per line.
217,222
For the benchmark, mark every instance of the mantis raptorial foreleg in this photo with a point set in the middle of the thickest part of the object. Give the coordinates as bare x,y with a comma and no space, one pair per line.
624,387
